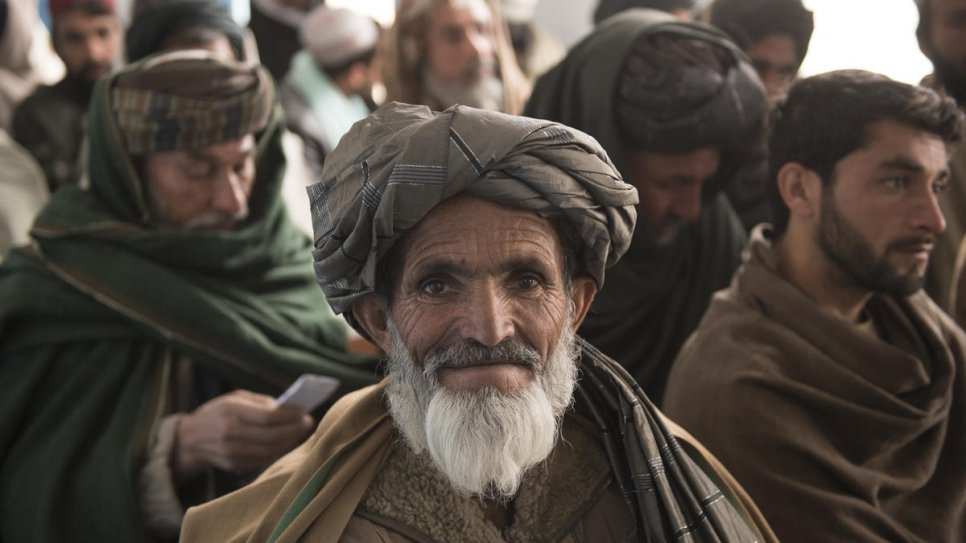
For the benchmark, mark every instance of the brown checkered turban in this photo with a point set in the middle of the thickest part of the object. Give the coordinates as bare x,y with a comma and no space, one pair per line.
395,166
189,100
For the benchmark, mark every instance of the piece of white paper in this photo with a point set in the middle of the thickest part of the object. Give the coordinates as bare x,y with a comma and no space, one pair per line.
308,391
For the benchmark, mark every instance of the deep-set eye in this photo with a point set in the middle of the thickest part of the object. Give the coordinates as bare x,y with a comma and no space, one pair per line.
939,188
897,182
433,287
198,171
528,282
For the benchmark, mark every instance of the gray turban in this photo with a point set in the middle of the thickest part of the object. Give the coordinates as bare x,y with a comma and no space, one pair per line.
394,167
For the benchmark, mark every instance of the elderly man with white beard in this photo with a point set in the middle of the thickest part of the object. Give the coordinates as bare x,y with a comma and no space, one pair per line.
469,245
444,52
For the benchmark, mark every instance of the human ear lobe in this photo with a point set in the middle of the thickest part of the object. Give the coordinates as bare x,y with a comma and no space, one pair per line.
582,292
370,313
800,188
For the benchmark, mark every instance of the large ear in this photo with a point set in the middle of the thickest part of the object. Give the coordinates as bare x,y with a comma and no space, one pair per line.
801,189
582,292
369,311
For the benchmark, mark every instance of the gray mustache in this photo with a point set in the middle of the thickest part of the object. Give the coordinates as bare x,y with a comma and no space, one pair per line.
471,353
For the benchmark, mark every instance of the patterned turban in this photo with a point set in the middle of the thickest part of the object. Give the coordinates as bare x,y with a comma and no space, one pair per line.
190,100
394,167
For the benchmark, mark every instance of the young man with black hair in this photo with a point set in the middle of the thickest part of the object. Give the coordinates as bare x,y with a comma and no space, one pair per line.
50,122
830,385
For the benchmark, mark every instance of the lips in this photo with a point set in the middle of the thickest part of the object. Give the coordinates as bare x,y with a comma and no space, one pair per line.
917,246
484,363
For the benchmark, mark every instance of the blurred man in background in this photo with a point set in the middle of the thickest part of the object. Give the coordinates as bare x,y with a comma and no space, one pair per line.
633,84
329,85
50,122
773,33
445,52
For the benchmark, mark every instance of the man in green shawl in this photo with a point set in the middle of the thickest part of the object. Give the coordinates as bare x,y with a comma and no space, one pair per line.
469,244
824,376
677,107
147,327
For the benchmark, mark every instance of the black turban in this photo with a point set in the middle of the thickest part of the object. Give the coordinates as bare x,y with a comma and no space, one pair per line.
162,19
644,81
750,21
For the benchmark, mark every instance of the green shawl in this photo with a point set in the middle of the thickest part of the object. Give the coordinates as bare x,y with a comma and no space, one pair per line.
92,315
654,296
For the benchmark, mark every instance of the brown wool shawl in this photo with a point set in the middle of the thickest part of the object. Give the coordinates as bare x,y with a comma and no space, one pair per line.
836,434
674,489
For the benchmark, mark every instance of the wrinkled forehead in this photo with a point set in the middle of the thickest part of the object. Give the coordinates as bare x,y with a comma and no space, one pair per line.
469,230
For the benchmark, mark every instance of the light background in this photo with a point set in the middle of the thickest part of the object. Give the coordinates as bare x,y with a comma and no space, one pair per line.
876,35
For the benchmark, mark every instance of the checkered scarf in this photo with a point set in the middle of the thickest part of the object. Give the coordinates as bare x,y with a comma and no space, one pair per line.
189,101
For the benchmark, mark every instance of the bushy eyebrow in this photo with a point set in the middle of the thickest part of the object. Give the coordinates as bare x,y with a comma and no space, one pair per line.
527,262
439,267
908,165
199,154
902,163
456,269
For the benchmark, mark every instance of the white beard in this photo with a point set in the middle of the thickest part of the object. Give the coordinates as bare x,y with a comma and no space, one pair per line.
486,93
483,441
205,221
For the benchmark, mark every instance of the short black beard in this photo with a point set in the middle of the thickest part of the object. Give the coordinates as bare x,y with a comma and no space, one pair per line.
79,89
855,258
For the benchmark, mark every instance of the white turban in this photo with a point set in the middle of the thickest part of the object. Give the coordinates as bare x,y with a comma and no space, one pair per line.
334,36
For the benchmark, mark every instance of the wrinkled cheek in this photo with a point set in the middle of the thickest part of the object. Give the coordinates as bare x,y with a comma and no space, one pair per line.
418,329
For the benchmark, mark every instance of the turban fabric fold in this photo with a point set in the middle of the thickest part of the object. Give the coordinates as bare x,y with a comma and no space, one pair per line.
395,166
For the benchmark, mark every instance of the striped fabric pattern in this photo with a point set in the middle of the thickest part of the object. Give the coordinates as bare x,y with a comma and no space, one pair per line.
392,168
155,122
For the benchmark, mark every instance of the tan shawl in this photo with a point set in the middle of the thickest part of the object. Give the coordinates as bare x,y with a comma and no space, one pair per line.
672,486
837,434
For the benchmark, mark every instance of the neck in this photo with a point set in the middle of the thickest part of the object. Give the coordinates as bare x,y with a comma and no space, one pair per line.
78,89
805,265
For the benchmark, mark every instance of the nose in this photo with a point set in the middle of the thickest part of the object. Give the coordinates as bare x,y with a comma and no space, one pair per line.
929,216
479,47
98,49
687,204
488,318
228,195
